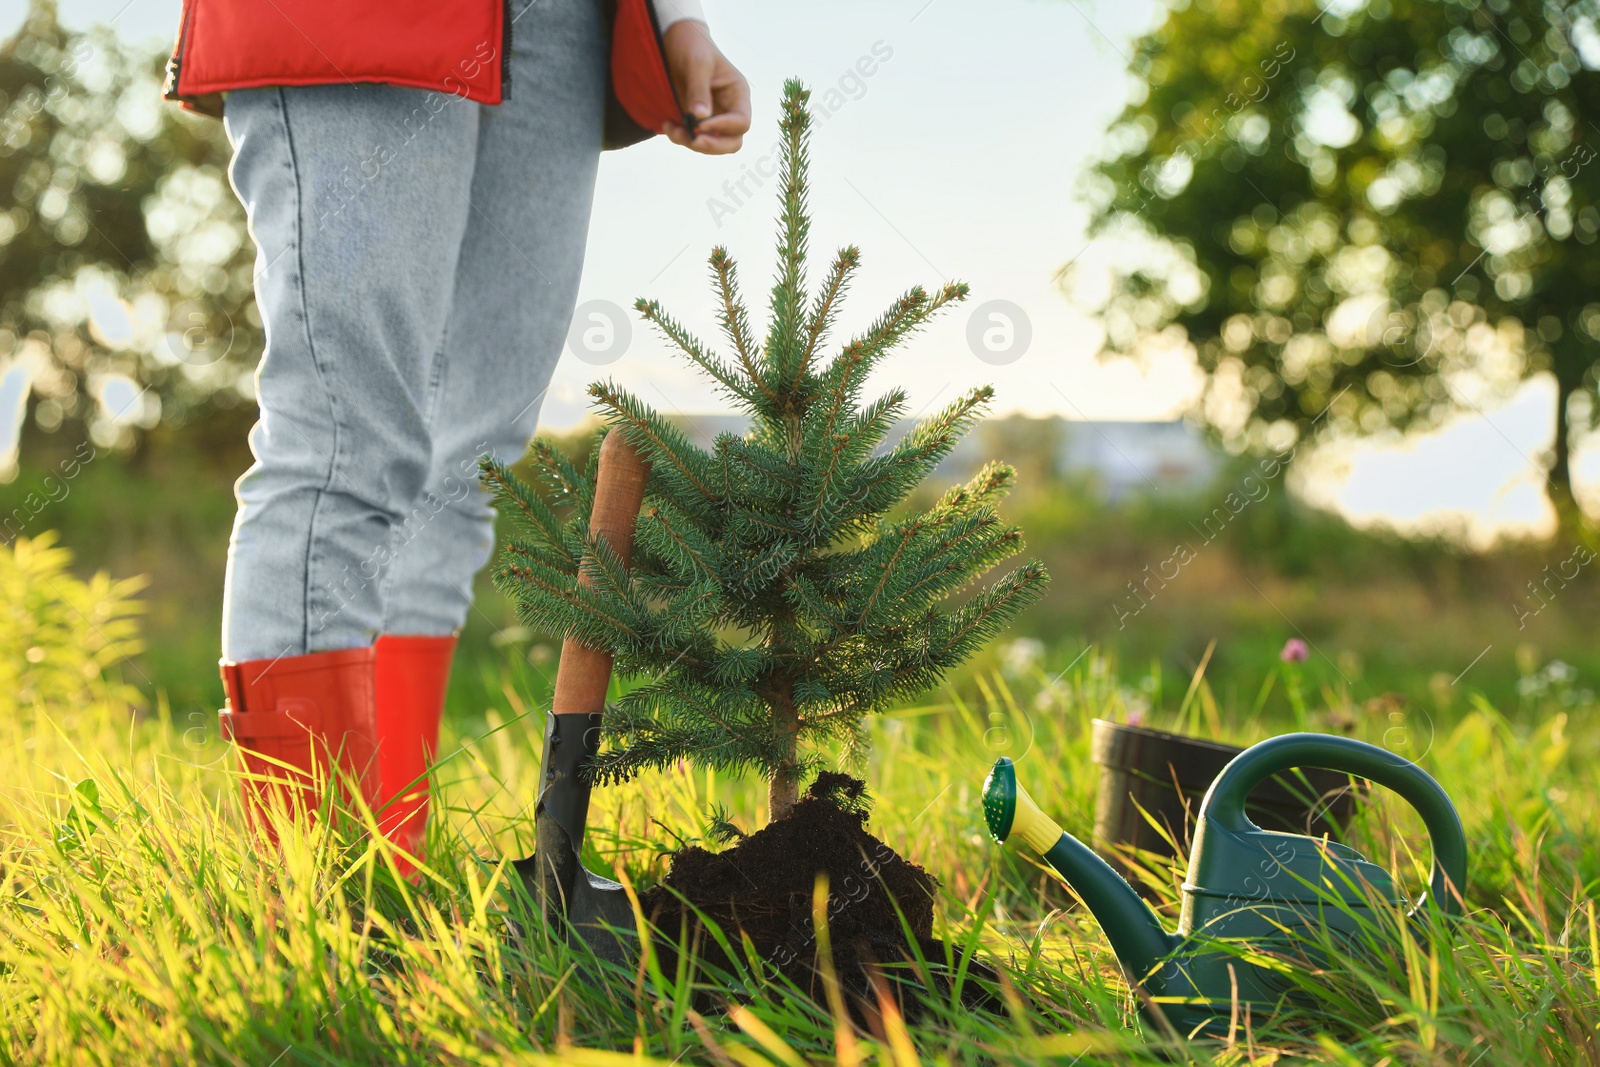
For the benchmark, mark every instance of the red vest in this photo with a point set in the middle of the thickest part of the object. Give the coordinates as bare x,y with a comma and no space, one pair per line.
461,47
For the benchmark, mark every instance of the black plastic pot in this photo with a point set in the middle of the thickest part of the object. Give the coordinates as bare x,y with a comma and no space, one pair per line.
1149,775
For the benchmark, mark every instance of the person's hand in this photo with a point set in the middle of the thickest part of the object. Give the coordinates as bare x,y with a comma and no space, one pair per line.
709,87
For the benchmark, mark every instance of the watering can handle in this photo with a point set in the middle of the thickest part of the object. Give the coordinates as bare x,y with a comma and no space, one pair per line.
1224,802
583,674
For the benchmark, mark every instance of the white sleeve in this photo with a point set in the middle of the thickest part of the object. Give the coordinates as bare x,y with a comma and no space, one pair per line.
670,11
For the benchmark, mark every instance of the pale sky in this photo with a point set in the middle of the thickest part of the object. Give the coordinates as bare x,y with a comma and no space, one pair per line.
956,158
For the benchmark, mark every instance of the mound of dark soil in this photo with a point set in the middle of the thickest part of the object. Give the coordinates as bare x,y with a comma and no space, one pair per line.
763,887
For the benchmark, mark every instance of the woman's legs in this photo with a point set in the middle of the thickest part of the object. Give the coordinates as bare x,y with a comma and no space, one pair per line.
357,200
514,289
418,259
514,292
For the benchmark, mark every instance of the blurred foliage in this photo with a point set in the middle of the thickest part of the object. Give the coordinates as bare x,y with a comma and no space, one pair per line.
125,268
1364,215
64,639
1384,613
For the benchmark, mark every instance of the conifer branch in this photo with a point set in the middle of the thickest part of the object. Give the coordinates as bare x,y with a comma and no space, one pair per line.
923,448
664,442
751,520
559,605
903,316
734,319
690,346
826,308
516,546
765,567
788,290
986,488
763,463
538,520
986,613
911,530
850,368
845,448
557,472
690,551
807,599
950,566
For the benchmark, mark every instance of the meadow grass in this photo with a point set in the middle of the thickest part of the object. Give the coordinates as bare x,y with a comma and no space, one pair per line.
142,924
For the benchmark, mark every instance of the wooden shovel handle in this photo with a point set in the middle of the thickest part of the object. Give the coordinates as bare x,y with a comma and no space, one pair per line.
584,674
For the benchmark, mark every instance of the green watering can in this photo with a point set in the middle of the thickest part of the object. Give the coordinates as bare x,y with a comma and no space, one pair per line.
1265,891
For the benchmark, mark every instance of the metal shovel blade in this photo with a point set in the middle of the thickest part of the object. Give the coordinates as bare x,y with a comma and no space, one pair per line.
594,908
554,875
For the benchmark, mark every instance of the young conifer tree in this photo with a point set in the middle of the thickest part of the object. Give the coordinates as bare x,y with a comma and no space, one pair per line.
775,598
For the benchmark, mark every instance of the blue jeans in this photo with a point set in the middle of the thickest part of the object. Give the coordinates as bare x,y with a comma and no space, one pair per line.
418,260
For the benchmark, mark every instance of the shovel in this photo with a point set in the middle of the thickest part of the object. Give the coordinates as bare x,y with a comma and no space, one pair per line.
554,875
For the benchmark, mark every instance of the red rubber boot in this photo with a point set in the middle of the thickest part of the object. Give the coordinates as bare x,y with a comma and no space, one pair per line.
310,712
413,674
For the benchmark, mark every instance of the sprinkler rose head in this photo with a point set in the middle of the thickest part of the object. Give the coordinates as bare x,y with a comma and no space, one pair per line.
1000,798
1011,812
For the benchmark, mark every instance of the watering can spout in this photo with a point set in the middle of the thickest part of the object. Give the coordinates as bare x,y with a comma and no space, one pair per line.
1135,932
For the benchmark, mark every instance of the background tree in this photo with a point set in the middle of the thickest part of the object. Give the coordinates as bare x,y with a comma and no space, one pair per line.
1365,218
774,600
124,261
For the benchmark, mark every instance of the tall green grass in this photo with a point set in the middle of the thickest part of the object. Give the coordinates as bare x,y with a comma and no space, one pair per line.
141,923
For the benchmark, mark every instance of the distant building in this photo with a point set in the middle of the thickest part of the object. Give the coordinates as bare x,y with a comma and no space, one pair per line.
1129,457
1122,457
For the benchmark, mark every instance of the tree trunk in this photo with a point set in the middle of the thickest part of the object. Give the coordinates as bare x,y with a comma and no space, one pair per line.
784,788
782,792
1568,517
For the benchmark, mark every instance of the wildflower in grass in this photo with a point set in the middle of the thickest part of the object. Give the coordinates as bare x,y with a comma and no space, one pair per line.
1295,652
